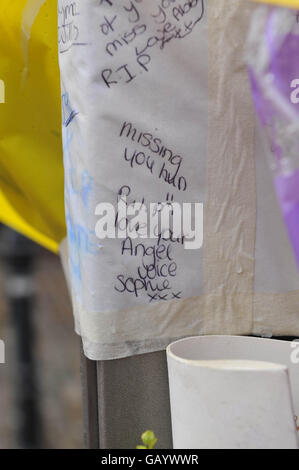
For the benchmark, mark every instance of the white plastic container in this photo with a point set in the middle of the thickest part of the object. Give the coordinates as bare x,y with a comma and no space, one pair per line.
233,393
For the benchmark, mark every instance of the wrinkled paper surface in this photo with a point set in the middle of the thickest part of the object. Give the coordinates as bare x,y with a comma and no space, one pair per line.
128,79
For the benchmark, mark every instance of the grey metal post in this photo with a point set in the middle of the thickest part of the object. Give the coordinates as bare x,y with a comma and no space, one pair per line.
123,398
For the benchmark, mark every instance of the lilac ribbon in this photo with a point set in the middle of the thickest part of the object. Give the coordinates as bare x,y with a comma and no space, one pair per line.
283,68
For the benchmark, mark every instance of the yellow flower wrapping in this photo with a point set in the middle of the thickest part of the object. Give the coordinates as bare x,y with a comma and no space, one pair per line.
282,3
31,166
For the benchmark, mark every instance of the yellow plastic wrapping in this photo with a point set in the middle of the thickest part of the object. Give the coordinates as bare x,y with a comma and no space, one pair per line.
282,3
31,165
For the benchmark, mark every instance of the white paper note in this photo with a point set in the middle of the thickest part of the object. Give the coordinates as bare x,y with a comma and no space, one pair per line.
135,125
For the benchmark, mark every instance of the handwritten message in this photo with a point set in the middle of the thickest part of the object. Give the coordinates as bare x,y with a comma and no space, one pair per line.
144,34
152,155
68,26
156,265
134,127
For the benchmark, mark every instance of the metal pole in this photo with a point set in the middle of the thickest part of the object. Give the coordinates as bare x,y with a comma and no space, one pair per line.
18,254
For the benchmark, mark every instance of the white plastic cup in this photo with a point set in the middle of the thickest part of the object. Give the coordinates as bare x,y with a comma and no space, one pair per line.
232,393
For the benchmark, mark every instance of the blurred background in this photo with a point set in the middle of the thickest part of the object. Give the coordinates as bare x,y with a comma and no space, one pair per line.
40,391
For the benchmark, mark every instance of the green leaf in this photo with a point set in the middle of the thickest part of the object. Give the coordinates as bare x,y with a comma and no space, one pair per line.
149,439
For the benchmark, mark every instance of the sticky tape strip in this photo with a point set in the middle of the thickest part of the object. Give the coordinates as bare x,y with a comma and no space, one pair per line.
230,219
